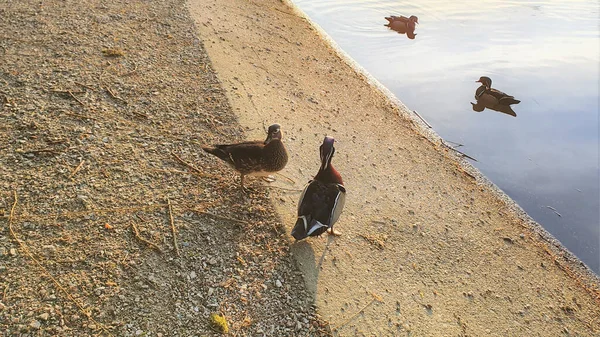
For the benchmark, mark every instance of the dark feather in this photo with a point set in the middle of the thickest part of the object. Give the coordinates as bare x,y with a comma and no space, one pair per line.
245,157
319,206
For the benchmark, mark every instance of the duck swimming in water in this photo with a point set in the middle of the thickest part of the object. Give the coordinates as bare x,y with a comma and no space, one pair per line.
403,25
490,97
254,157
323,198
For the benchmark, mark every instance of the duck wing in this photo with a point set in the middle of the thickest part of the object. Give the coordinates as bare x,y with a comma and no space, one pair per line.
393,18
503,98
245,157
319,208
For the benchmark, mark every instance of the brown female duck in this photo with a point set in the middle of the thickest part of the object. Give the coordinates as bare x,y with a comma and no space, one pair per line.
323,198
490,97
254,157
402,24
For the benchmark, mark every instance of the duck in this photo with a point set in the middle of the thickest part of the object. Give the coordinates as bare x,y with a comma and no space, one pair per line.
490,97
259,158
322,200
402,24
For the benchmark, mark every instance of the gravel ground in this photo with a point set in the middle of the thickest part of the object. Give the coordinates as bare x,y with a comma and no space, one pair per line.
103,108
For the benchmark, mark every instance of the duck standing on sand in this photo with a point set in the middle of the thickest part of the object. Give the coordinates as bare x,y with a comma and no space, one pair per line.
322,200
254,157
403,25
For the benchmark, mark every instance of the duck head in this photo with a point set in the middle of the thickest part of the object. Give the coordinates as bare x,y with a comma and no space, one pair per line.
327,150
413,19
273,133
485,81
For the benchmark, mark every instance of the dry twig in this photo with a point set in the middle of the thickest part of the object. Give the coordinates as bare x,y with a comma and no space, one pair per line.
75,98
222,217
85,86
138,236
46,150
58,285
113,95
77,169
173,227
423,119
4,293
376,298
129,73
80,116
186,164
286,177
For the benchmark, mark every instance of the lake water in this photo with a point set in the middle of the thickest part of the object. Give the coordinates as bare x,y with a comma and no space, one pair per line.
545,53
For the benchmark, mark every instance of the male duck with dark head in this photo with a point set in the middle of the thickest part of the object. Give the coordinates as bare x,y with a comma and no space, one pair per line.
490,97
254,157
322,200
402,24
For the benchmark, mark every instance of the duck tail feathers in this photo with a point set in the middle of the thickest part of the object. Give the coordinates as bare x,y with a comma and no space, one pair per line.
215,151
509,100
307,226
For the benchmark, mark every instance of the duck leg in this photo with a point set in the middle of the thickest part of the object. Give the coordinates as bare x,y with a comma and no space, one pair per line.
242,183
270,178
333,232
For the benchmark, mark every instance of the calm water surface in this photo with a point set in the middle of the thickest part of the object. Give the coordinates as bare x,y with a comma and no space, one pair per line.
545,53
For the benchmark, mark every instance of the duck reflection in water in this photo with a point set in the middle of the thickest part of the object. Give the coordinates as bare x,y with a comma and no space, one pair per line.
403,25
488,97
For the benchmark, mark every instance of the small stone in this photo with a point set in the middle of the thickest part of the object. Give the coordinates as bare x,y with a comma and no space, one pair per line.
211,291
278,284
44,316
49,248
193,275
13,252
212,262
35,324
138,332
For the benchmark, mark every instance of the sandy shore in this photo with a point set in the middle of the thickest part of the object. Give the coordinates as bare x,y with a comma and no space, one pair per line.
429,248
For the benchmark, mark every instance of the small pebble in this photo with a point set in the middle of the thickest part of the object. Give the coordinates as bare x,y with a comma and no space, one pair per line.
278,284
